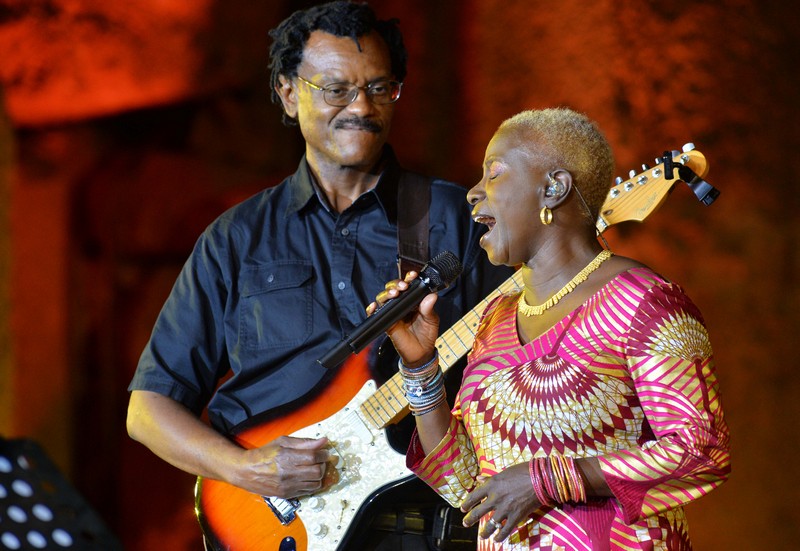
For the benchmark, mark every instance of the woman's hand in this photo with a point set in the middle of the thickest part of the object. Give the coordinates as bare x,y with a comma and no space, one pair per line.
414,338
508,495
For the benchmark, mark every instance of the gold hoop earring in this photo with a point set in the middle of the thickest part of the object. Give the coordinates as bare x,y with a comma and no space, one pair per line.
546,216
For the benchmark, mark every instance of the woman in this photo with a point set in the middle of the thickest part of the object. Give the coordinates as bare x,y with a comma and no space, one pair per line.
589,412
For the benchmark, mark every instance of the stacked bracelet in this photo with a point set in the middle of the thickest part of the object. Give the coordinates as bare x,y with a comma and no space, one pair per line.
423,386
556,479
534,467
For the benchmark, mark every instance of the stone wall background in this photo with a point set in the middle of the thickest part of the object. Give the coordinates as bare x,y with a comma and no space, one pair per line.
128,128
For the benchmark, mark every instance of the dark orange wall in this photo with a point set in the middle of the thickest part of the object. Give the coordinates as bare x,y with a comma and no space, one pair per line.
68,60
6,358
135,127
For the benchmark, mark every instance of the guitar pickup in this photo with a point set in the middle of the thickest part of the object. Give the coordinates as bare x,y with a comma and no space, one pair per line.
284,509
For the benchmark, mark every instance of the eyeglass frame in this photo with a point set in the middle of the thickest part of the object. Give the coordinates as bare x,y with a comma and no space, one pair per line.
366,89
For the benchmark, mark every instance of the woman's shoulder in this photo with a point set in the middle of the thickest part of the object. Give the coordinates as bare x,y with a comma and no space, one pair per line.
627,285
642,289
498,312
502,305
628,271
498,320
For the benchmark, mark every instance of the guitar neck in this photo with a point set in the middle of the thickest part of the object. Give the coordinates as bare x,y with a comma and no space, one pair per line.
389,404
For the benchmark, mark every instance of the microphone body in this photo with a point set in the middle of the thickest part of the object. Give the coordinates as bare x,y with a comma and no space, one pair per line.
436,275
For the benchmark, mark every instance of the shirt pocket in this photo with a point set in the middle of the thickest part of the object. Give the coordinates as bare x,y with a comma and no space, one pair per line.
276,305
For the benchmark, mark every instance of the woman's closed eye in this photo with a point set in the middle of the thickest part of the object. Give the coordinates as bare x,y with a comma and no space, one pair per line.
495,169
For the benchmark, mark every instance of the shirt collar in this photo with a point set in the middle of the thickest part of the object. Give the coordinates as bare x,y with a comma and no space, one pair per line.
385,191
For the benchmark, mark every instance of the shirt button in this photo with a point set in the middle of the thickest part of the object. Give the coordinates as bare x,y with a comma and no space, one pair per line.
341,285
345,232
270,278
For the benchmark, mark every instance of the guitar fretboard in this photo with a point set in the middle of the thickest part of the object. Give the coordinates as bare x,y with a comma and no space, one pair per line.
389,404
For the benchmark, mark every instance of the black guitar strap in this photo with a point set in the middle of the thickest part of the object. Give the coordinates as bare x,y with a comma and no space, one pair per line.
413,201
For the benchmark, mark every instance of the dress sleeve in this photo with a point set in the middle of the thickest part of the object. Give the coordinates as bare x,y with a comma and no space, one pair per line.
451,468
687,453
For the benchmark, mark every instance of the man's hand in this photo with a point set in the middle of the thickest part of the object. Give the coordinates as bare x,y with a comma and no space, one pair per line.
287,467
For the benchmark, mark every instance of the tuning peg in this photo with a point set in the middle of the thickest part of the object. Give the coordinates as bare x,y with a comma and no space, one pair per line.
645,168
631,174
618,180
687,147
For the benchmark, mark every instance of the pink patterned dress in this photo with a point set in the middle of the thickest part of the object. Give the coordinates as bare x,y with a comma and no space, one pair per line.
628,377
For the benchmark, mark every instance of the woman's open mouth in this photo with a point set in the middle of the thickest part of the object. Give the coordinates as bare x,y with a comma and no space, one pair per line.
484,219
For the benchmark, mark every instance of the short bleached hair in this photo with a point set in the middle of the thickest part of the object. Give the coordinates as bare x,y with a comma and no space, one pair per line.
570,140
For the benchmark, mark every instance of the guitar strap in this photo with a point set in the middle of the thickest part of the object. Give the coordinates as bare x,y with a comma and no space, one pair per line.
413,202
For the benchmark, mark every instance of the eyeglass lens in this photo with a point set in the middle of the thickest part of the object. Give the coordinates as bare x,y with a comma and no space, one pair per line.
380,92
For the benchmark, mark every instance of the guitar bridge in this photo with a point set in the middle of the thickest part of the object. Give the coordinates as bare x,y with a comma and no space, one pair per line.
284,509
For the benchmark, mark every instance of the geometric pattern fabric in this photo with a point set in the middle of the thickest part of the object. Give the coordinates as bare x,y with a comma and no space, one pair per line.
628,377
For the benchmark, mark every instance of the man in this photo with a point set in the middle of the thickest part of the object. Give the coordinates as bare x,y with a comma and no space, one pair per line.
278,280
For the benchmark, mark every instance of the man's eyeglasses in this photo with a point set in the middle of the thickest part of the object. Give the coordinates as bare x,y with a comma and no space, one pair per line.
342,94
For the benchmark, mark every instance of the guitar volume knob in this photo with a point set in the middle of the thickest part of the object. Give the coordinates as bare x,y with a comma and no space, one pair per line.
319,531
316,503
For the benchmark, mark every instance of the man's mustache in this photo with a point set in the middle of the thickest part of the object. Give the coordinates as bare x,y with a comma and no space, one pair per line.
358,123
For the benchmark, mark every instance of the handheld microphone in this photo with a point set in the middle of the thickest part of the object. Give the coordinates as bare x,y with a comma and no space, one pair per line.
436,275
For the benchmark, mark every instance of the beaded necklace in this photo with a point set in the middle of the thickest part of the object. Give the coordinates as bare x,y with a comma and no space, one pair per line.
527,310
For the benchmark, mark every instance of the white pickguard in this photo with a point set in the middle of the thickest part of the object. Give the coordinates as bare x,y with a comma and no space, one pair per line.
366,462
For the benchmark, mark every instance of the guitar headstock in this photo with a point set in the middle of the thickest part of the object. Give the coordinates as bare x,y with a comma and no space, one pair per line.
637,197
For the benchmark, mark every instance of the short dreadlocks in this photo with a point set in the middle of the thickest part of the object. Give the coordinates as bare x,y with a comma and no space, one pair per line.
340,18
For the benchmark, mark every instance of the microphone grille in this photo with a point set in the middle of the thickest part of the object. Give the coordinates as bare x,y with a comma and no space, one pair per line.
442,270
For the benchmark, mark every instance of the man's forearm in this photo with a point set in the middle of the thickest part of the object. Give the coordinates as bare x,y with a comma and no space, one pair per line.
173,433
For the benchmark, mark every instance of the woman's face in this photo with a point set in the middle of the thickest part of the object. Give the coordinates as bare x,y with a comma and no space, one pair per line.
508,199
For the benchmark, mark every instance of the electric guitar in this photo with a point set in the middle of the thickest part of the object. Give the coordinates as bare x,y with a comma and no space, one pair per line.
352,412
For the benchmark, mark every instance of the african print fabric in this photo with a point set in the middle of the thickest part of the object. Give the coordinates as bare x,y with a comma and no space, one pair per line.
627,377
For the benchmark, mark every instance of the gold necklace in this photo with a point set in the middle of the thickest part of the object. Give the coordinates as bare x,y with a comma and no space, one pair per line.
527,310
